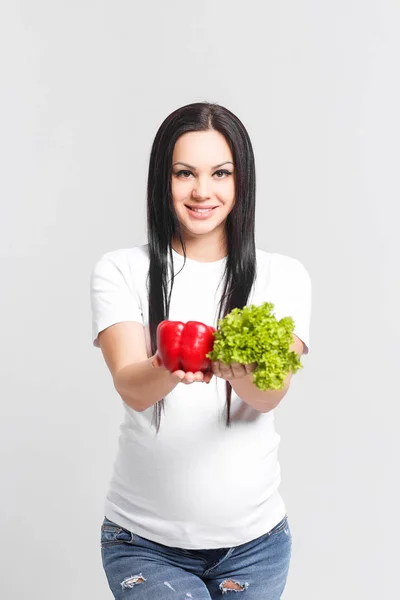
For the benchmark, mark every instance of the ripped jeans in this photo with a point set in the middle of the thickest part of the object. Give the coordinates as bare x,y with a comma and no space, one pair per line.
139,569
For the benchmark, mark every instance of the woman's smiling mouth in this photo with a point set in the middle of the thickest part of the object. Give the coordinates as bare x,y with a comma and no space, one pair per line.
200,212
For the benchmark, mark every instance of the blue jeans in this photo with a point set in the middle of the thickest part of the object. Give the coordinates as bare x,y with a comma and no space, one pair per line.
139,569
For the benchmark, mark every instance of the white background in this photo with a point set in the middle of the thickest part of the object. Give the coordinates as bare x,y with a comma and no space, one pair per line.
84,87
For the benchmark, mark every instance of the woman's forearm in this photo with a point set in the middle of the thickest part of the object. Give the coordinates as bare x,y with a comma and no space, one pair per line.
263,401
141,385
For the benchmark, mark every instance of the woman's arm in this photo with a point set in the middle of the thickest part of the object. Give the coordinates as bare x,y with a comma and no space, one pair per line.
139,380
267,400
263,401
142,384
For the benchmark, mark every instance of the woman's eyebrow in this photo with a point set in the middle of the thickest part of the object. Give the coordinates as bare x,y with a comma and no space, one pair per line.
194,168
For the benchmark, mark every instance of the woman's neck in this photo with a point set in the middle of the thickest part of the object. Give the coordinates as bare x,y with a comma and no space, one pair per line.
201,250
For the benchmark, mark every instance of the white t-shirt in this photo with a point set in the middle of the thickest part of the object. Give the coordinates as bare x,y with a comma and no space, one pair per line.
196,484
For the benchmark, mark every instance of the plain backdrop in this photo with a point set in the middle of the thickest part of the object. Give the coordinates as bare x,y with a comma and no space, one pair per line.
84,87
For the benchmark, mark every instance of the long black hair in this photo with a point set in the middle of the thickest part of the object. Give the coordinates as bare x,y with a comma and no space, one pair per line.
163,224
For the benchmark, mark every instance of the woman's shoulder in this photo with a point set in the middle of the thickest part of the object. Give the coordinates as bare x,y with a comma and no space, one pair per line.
278,260
124,264
134,255
280,270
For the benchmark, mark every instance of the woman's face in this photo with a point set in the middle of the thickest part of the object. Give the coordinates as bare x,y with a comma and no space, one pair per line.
202,177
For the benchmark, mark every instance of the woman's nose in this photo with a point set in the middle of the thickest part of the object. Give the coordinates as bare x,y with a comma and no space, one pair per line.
201,188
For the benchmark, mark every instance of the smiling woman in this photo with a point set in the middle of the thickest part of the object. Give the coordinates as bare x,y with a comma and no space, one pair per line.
202,193
199,264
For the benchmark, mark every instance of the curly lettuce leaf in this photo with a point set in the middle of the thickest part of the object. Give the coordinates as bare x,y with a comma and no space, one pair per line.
253,334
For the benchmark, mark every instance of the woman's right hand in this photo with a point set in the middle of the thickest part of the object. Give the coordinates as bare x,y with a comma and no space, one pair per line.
182,376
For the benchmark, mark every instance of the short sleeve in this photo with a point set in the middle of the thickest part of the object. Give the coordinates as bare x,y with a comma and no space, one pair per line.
112,295
292,295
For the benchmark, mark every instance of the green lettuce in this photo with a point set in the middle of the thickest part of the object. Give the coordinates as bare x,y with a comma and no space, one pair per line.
253,335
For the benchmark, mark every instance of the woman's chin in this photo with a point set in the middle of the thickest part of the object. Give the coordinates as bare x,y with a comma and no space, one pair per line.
200,229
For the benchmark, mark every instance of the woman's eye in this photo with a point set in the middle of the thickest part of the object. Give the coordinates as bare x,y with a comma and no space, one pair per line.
223,172
186,174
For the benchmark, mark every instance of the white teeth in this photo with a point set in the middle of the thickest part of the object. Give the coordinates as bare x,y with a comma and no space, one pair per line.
201,209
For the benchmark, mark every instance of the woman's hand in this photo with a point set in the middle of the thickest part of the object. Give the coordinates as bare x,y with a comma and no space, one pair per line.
190,377
233,371
185,377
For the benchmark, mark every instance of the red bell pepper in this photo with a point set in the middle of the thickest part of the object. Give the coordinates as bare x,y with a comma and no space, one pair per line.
183,346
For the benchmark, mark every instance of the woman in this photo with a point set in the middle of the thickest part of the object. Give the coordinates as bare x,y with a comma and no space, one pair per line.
193,508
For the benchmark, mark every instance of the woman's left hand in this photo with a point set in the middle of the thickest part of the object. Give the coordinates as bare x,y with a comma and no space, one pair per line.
233,371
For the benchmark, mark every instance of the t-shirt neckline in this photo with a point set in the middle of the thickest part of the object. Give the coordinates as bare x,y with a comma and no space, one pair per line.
201,264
